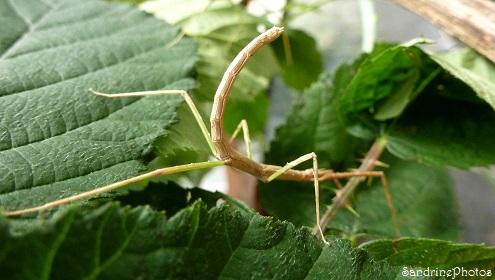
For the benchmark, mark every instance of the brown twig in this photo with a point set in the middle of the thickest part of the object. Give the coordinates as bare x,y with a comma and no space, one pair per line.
471,21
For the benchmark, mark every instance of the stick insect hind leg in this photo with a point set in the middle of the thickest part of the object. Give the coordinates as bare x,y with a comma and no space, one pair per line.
341,195
320,175
245,132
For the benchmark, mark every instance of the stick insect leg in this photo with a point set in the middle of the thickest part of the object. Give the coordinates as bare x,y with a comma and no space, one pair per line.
340,175
247,140
114,186
186,97
294,163
157,172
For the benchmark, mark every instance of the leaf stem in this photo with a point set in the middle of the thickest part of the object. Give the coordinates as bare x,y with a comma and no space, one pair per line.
368,25
369,163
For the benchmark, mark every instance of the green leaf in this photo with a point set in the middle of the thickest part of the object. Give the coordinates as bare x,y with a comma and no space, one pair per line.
473,69
462,261
392,72
299,59
128,243
443,127
56,139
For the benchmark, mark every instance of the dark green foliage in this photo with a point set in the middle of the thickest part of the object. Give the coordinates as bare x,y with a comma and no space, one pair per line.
57,140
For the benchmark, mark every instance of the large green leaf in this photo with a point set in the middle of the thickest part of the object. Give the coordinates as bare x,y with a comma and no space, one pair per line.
56,139
229,241
112,242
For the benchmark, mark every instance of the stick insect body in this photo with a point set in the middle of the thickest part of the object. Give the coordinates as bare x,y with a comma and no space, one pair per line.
224,150
220,144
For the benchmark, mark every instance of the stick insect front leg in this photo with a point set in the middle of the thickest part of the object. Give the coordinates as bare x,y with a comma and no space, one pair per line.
158,172
183,93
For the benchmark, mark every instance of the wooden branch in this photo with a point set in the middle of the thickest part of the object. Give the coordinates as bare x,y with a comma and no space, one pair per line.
471,21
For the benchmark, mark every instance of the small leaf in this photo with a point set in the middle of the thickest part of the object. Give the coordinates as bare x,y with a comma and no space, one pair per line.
395,104
473,69
57,139
442,128
299,59
434,256
392,72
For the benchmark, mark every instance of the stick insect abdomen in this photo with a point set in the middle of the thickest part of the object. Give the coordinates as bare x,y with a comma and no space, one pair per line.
223,150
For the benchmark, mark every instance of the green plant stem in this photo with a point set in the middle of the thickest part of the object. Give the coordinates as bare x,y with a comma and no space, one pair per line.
369,163
368,25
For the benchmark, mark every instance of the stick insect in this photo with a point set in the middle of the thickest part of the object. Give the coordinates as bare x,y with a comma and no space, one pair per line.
220,146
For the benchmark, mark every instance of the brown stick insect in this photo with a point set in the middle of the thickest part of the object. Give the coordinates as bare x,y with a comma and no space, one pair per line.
221,148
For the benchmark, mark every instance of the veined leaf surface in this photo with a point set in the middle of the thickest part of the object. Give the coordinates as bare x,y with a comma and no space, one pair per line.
57,139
